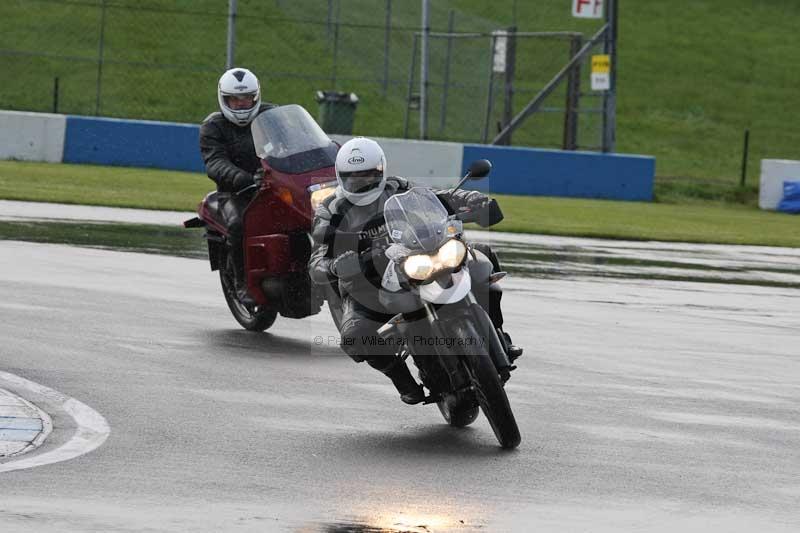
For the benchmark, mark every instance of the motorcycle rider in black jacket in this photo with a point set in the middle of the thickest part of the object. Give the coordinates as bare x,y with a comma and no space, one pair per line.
350,223
230,158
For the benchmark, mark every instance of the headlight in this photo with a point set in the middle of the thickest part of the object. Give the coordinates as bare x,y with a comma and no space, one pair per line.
320,191
423,266
418,266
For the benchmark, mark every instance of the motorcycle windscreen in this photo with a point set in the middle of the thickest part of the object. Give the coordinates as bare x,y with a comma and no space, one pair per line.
416,219
291,141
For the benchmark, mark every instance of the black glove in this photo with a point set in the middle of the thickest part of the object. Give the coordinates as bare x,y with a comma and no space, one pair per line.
346,265
477,200
242,181
489,213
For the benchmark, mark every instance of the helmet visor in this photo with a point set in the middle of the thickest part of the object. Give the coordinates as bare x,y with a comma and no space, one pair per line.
361,181
240,102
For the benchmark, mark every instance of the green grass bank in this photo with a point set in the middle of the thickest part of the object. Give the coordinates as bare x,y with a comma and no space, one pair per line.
693,74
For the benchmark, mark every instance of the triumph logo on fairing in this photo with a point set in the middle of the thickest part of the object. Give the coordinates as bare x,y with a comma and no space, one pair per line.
373,233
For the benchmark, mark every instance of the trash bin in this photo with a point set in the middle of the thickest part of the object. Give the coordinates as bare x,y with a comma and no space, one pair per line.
337,111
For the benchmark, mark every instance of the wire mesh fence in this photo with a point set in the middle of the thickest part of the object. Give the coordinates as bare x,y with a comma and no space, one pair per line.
161,59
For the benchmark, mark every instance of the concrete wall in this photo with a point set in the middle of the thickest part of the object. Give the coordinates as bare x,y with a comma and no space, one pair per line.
32,136
433,163
138,143
773,173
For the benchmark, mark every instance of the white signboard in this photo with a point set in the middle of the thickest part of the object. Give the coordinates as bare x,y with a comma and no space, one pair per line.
500,43
601,81
587,9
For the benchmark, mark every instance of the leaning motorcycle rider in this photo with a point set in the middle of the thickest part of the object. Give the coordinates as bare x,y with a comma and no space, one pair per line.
349,237
230,157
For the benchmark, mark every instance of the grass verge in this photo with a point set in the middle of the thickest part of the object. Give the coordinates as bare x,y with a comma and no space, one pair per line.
704,221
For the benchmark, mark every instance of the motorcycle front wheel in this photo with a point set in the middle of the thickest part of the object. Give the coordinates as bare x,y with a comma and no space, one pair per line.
458,412
258,318
488,387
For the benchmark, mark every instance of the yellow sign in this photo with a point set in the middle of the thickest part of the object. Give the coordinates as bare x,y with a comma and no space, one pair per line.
601,64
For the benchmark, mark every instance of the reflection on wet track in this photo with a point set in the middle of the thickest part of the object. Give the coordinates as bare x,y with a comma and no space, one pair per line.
564,257
522,255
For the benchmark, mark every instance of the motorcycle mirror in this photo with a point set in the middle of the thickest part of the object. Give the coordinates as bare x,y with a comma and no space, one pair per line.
479,169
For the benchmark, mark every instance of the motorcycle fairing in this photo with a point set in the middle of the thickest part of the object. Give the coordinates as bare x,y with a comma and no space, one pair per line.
434,292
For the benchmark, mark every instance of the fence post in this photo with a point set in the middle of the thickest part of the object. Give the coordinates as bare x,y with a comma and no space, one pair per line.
410,93
508,99
231,45
330,18
448,57
490,97
335,44
610,97
744,156
573,98
386,45
100,52
423,93
55,94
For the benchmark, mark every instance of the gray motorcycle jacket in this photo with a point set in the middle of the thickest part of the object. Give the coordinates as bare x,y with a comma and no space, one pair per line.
227,149
340,225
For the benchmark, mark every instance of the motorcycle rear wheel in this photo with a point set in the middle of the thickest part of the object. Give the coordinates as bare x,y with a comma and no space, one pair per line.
489,388
257,318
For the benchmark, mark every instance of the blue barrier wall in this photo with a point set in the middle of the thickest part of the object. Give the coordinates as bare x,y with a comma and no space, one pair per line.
133,143
537,172
524,171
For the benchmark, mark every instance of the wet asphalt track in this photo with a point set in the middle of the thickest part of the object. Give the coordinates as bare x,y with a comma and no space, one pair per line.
644,405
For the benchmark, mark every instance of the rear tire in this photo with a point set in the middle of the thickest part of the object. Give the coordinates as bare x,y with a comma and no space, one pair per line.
489,388
258,318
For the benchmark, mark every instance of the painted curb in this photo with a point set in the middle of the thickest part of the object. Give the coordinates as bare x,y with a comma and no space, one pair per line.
41,436
91,431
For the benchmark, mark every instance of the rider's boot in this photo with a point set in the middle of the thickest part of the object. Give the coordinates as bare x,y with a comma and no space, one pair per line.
242,294
410,391
514,351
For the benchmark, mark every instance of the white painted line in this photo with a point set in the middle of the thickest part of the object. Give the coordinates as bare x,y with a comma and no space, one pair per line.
92,429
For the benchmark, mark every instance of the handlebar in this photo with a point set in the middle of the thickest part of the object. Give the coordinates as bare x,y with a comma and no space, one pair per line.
258,179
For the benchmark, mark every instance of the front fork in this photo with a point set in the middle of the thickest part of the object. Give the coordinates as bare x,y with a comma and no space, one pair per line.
451,363
497,349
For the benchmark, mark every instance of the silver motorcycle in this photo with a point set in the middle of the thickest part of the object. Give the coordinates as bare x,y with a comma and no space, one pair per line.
436,283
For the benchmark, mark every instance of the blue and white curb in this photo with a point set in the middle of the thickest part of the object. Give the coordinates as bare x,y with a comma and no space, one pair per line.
89,433
23,426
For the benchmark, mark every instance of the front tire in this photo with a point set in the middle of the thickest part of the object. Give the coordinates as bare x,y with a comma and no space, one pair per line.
258,318
457,412
489,388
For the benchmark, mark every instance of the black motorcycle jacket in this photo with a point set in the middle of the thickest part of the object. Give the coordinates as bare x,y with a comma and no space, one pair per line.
227,149
340,226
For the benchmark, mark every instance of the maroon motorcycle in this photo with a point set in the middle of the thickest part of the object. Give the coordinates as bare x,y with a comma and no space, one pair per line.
298,162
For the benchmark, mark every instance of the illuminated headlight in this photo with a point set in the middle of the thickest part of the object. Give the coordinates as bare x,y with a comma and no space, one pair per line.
321,191
423,266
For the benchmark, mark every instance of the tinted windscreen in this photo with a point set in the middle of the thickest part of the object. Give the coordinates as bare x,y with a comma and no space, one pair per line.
291,141
416,219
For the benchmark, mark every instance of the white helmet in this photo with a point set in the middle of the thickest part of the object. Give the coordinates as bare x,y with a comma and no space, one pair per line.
361,170
239,95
